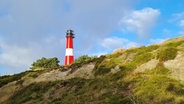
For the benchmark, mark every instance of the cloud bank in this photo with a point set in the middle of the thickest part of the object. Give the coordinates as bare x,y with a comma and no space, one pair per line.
36,28
140,21
115,42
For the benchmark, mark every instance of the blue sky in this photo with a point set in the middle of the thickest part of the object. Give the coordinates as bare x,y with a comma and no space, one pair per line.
31,29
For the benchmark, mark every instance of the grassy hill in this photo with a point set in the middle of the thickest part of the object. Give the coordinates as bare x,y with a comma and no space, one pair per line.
146,75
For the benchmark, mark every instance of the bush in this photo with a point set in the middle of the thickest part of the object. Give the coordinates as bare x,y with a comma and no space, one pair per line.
10,78
153,88
143,49
175,88
160,69
124,71
84,59
104,66
142,58
6,79
174,44
46,63
115,55
167,54
116,99
102,69
152,47
34,91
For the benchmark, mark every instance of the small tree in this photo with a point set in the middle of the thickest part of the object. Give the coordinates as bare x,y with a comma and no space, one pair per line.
84,59
45,63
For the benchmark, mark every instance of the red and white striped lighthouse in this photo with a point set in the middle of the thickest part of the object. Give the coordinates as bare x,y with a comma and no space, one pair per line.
69,58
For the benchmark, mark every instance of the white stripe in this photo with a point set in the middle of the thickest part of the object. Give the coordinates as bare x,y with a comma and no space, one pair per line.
69,52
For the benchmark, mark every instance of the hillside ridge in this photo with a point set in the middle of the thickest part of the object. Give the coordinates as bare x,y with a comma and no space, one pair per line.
144,75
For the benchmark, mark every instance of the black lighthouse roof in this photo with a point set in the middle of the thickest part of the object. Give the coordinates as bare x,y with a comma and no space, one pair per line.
70,33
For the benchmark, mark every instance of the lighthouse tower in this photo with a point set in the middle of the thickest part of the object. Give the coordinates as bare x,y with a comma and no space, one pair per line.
69,58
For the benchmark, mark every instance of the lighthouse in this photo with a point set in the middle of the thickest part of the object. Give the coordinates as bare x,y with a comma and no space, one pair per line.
69,58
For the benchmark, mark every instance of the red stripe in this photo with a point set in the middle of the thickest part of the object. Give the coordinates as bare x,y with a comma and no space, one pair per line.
68,60
69,42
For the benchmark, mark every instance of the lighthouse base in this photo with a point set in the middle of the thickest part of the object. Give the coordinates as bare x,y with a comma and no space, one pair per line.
69,60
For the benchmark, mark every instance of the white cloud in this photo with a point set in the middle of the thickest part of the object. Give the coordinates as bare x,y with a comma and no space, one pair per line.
34,28
181,23
140,21
16,58
178,18
115,42
157,41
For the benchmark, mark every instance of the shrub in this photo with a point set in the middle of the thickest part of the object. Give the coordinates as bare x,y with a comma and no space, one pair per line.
167,54
84,59
129,66
116,99
153,89
160,69
34,91
98,62
142,58
75,82
105,66
174,44
10,78
142,54
46,63
102,69
33,74
124,71
152,47
175,88
115,55
143,49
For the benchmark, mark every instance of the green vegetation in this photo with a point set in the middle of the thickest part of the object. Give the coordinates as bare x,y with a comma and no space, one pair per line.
115,79
47,63
35,73
141,55
143,49
174,44
142,58
155,88
10,78
104,65
116,54
73,91
16,77
152,48
84,59
160,69
114,88
34,91
167,54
